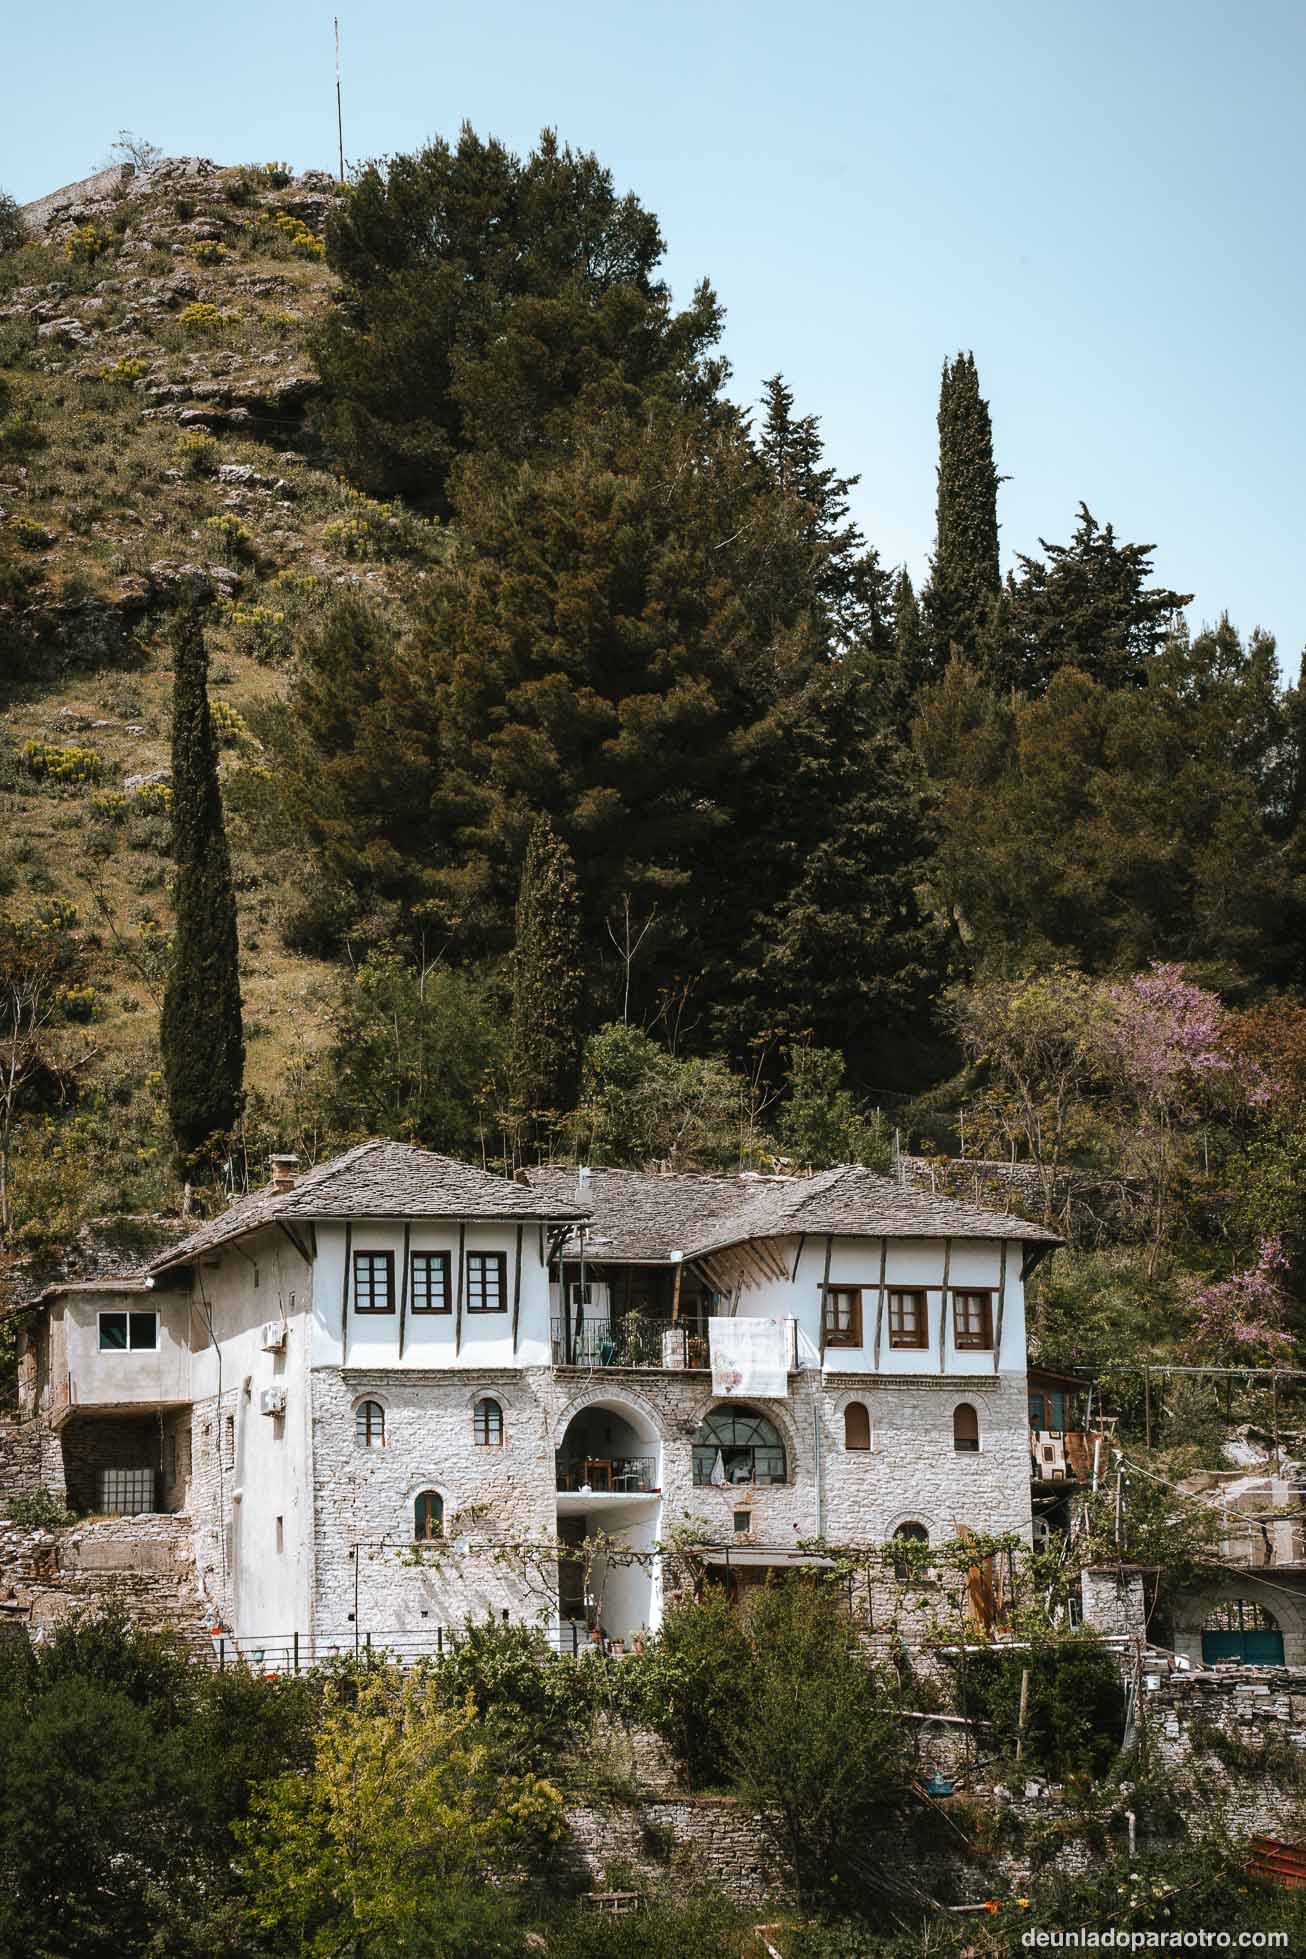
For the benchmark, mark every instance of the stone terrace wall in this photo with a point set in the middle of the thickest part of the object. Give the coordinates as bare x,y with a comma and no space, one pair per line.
144,1562
1259,1712
685,1842
20,1456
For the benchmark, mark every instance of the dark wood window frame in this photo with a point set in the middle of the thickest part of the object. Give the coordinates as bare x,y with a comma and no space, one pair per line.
913,1337
972,1319
428,1516
478,1268
848,1334
423,1266
487,1428
365,1288
369,1424
966,1429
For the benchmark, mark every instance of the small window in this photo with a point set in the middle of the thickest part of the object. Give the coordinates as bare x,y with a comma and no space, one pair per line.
843,1316
121,1333
965,1430
369,1425
487,1282
428,1516
487,1424
856,1426
229,1441
908,1534
743,1521
972,1320
430,1282
1036,1411
374,1282
909,1320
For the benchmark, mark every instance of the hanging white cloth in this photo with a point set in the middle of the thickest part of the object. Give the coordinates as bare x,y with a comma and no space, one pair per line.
718,1477
750,1357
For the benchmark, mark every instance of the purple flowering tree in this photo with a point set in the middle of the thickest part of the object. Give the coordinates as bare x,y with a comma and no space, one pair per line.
1169,1047
1241,1318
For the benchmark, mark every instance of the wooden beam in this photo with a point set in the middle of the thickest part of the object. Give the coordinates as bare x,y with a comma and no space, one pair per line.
296,1241
825,1285
798,1257
879,1303
403,1287
458,1296
344,1297
675,1292
943,1303
772,1260
1002,1300
516,1288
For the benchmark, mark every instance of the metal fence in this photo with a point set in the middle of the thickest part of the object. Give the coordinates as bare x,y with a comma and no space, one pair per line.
296,1652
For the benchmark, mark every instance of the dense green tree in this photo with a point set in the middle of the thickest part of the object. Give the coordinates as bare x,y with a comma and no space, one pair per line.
484,299
847,593
200,1029
1087,604
547,975
13,229
641,1105
415,1052
819,1123
964,572
1162,814
815,1742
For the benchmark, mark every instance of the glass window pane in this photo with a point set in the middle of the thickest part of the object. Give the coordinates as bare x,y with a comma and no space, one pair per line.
113,1332
144,1330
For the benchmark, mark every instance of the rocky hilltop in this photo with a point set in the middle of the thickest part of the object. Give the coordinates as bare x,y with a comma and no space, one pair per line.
156,441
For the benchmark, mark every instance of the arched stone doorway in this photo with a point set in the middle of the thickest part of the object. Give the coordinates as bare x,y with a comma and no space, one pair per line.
608,1470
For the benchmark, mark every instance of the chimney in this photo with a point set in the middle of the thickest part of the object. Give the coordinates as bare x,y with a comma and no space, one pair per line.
284,1170
582,1177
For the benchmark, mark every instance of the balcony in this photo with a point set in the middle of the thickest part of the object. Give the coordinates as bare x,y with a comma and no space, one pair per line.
628,1342
608,1475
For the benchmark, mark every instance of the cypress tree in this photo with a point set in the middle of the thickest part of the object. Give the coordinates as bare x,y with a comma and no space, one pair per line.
965,572
546,984
200,1031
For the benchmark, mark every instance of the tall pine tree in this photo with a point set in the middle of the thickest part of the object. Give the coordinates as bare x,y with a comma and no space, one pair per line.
546,986
965,574
200,1031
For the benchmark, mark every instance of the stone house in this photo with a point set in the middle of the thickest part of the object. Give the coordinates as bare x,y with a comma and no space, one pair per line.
387,1391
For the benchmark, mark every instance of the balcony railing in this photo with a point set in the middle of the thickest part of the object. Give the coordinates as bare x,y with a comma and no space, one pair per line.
628,1342
601,1475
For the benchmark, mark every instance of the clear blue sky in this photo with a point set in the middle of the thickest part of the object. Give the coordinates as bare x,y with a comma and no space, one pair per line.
1102,200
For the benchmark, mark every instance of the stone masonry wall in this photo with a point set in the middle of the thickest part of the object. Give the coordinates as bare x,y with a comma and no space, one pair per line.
1255,1784
144,1563
365,1496
689,1842
20,1456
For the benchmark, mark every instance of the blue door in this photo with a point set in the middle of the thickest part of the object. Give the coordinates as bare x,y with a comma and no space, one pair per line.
1256,1647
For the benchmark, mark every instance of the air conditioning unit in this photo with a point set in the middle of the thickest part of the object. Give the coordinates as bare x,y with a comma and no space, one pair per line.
272,1401
273,1337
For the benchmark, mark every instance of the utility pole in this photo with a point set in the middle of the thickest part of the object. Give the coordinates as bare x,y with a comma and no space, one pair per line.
340,126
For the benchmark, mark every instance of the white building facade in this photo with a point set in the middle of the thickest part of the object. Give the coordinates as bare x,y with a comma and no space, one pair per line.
390,1392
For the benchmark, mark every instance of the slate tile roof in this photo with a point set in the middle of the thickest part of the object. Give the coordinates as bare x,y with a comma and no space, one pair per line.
379,1180
636,1216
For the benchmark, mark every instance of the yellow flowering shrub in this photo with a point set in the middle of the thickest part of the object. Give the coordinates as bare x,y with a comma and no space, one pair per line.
208,251
230,536
199,316
196,452
49,762
84,244
228,725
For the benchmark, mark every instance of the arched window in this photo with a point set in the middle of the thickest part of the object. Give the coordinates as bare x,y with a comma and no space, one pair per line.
908,1534
856,1426
369,1425
965,1429
428,1516
487,1424
737,1445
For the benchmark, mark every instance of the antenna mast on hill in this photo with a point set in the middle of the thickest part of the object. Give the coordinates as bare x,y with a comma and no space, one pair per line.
340,126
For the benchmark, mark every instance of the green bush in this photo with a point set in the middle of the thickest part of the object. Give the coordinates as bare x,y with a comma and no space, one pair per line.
692,1684
1075,1718
38,1510
13,231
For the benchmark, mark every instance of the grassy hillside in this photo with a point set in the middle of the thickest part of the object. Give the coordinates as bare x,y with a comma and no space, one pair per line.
157,440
